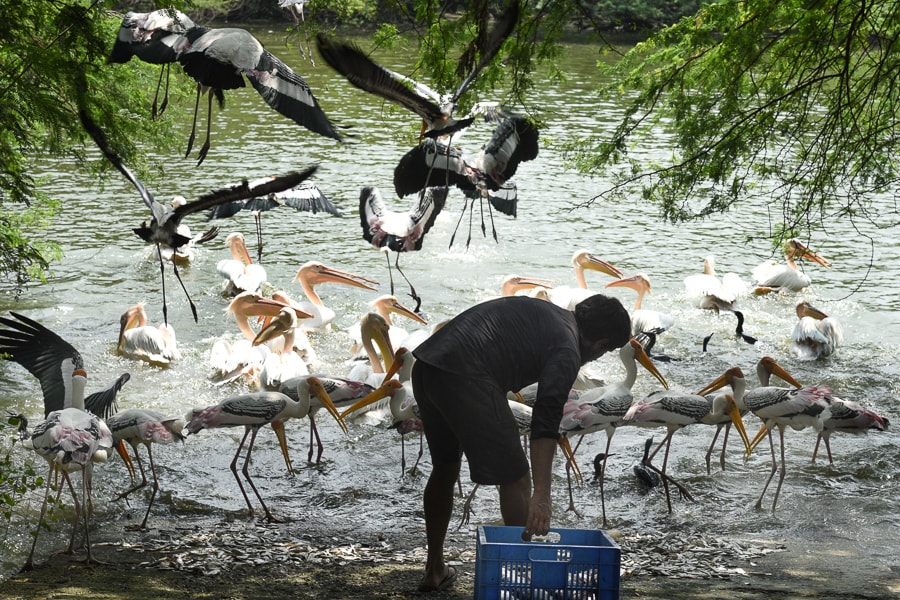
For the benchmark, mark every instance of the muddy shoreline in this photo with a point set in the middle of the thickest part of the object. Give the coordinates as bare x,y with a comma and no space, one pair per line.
240,558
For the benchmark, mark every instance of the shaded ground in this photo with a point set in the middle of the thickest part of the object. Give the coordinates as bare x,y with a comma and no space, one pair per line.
236,559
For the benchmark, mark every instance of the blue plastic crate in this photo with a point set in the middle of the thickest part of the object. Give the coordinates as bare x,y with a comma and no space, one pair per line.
576,564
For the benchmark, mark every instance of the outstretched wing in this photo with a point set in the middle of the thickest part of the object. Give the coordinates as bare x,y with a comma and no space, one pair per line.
432,163
245,190
158,210
41,352
307,197
288,93
350,61
431,203
503,28
103,403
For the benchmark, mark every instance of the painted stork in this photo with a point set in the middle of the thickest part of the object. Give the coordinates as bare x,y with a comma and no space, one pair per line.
163,227
219,59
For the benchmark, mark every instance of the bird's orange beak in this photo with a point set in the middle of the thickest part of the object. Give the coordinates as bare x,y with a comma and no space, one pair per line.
383,391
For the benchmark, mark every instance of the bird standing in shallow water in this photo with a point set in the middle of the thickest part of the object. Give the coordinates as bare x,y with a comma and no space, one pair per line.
137,426
253,411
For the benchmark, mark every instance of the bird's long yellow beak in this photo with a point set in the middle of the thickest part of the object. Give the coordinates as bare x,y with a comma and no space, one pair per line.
595,264
316,388
801,250
383,391
645,362
738,422
278,428
329,274
397,308
126,458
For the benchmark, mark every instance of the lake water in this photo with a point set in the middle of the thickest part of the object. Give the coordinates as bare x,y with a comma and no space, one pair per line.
854,503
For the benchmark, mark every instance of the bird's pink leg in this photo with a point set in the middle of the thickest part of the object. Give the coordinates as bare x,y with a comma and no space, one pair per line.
29,563
234,468
712,445
246,471
783,469
771,475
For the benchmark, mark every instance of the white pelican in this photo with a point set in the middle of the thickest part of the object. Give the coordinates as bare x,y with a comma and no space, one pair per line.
138,426
373,328
385,306
848,416
798,408
284,364
435,110
515,285
603,408
240,358
155,345
582,260
341,391
713,293
772,276
314,273
675,410
240,273
643,319
816,335
253,411
163,227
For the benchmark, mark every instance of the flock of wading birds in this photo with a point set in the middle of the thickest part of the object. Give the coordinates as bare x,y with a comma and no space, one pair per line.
276,355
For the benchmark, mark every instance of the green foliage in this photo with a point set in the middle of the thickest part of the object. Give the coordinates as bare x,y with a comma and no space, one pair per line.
53,58
801,96
17,477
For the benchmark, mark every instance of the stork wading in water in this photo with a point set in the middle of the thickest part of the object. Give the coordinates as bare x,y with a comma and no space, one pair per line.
815,335
603,408
219,59
163,227
306,197
731,387
797,408
786,277
136,427
140,341
396,231
73,435
253,411
154,38
674,411
849,417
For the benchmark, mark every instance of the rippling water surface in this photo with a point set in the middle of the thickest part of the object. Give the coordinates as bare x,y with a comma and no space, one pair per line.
854,502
